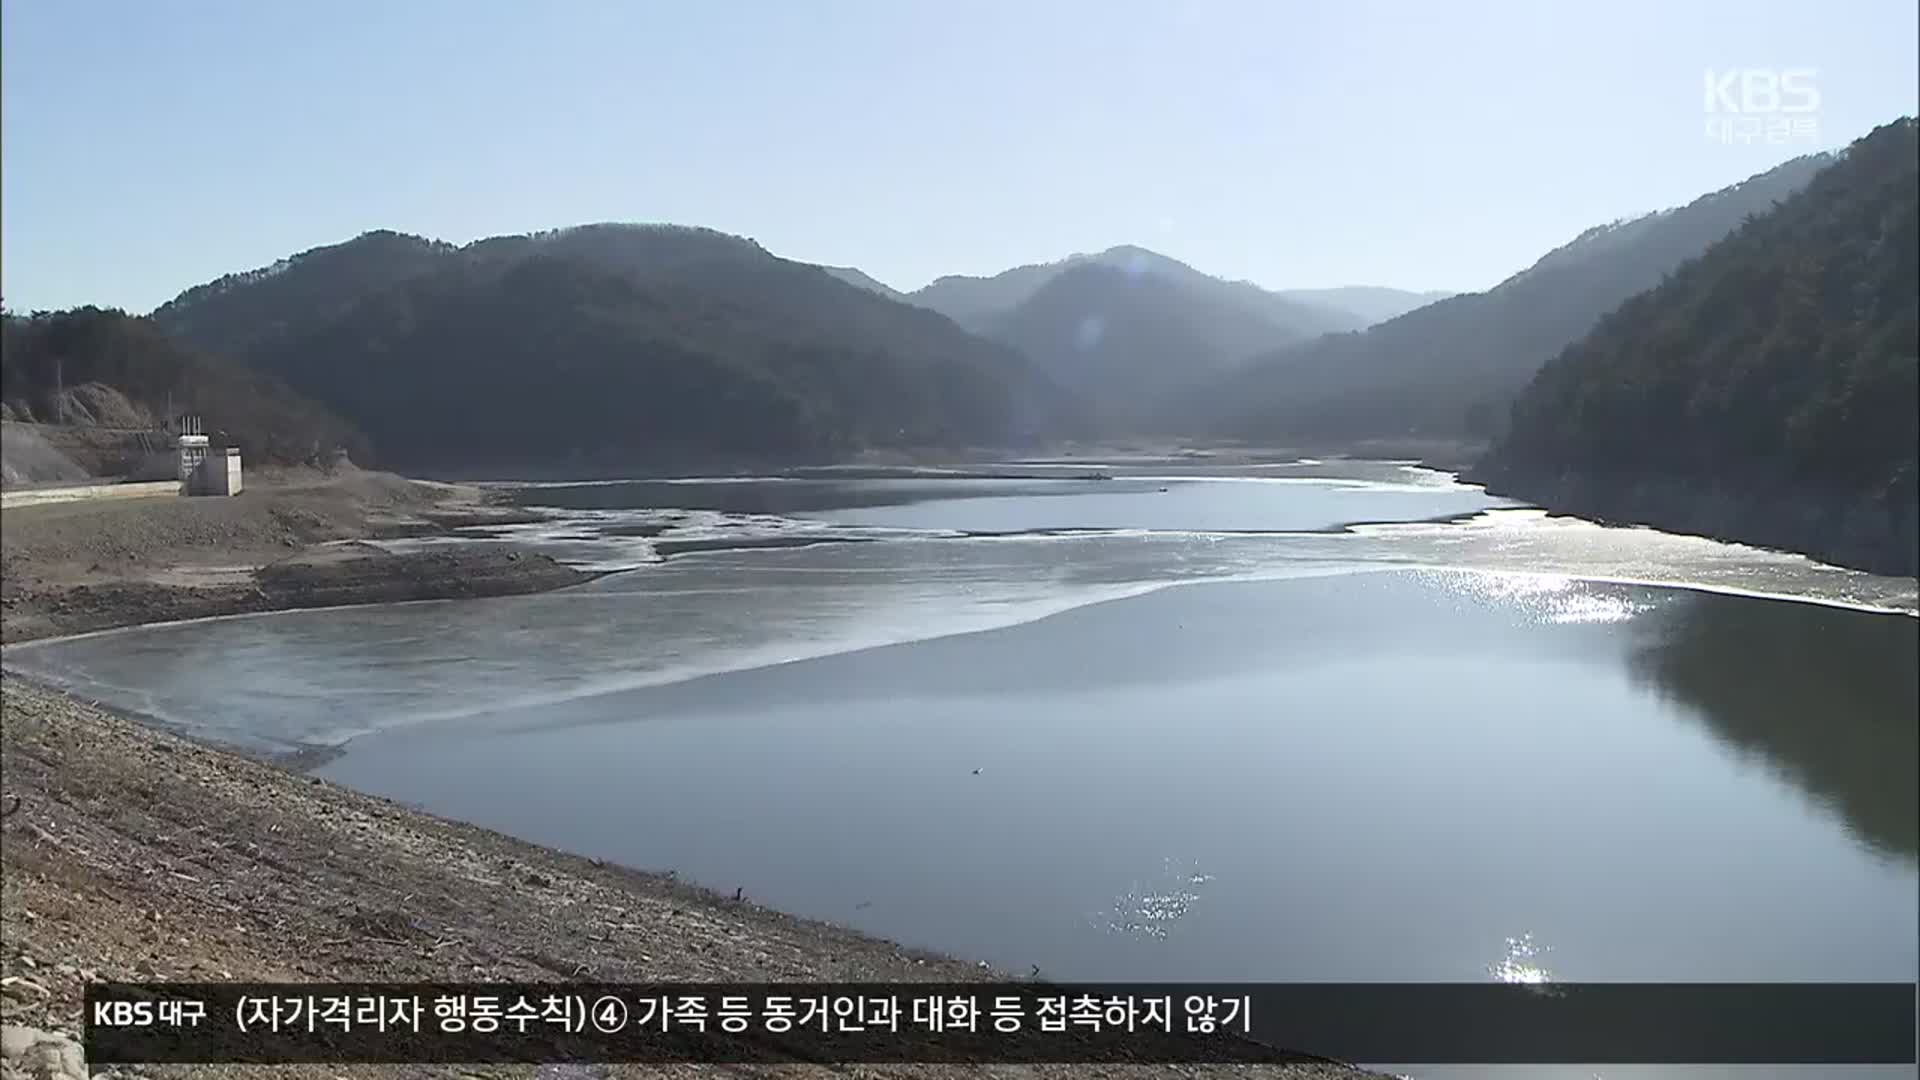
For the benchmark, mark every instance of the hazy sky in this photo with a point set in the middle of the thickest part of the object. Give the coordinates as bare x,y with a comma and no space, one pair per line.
149,145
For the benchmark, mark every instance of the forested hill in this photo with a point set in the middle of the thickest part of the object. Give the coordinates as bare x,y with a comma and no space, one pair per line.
239,312
1450,369
613,346
95,367
1766,391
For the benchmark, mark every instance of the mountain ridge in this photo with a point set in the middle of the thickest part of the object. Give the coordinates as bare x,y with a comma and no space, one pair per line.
1447,370
720,346
1124,339
977,301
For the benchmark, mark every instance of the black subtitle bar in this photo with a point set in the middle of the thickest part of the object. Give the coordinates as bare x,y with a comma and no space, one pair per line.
1012,1023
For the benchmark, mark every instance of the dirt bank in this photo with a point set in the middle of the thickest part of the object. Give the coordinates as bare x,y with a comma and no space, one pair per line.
132,853
316,580
289,541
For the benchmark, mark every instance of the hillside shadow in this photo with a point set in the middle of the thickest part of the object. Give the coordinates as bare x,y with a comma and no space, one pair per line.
1827,698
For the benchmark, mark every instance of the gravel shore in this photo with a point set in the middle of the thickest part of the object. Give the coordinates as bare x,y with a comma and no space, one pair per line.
131,853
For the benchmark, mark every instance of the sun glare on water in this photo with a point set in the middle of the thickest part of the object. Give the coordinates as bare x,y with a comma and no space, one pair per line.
1549,598
1521,964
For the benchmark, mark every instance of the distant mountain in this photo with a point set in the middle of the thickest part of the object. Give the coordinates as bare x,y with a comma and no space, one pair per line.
1128,326
95,367
862,280
610,347
1765,391
981,304
1449,369
1124,339
1369,303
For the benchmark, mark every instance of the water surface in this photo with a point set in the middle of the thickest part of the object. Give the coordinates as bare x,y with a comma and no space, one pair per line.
1306,722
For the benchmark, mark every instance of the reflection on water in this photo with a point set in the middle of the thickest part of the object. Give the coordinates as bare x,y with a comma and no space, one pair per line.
1379,775
1150,908
1553,598
1825,698
1523,963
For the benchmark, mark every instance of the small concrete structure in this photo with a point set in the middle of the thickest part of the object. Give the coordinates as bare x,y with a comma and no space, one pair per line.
204,471
193,451
219,474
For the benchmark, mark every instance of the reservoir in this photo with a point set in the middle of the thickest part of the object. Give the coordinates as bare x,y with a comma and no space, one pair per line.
1298,722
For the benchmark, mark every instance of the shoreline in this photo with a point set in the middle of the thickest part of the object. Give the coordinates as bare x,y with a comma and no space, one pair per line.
121,840
372,594
1848,531
134,852
289,543
363,581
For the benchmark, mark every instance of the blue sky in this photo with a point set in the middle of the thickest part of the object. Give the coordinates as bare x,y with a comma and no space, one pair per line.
149,146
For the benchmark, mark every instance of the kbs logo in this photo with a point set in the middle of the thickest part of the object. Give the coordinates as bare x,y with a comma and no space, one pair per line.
1762,90
167,1012
1747,105
123,1013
